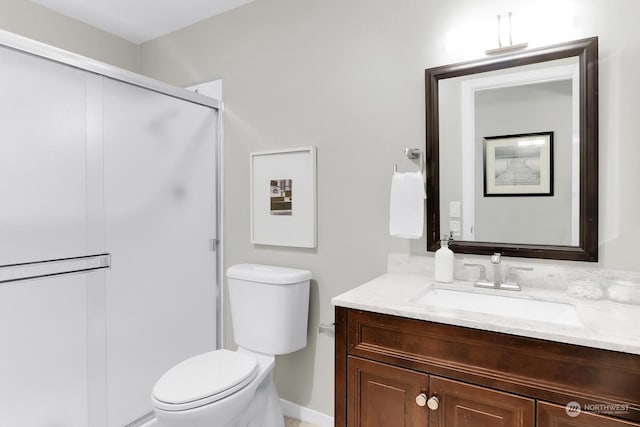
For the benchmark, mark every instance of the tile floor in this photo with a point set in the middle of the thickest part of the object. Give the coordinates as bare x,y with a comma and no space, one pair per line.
293,422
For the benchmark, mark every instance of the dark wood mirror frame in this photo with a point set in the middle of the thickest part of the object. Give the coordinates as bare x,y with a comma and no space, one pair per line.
587,52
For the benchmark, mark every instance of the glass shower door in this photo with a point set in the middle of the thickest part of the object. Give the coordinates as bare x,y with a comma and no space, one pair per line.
160,206
45,173
88,166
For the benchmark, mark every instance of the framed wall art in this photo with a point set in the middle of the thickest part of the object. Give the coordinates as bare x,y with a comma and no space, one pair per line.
283,197
518,165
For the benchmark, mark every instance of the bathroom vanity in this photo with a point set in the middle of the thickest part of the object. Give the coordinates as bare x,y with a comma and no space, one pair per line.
405,357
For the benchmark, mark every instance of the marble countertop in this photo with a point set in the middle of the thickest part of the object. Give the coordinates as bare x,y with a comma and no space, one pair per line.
602,324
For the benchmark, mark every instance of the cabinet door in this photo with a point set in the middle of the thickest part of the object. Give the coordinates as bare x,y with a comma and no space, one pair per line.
380,395
556,416
465,405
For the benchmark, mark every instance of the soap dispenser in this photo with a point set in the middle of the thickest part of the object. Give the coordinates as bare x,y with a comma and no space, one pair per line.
444,262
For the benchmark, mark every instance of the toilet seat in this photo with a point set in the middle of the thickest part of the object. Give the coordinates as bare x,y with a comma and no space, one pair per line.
204,379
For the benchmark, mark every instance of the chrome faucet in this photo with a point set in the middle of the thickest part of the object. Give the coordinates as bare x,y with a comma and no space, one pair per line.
497,282
497,271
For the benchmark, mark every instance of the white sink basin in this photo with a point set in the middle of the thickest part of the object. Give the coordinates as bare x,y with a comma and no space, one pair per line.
502,305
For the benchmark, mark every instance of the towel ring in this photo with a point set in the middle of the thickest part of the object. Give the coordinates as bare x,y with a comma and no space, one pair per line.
412,153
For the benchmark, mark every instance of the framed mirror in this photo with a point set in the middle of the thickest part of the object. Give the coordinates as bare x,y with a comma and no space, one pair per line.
512,153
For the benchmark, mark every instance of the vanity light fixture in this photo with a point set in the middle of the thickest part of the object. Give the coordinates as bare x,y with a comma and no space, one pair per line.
505,49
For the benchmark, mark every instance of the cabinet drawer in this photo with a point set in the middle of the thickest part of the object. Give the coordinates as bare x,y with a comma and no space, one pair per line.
549,371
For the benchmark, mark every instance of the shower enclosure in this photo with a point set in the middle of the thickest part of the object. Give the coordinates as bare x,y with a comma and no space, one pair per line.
108,236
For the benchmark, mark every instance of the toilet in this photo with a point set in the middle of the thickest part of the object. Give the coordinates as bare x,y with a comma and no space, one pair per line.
223,388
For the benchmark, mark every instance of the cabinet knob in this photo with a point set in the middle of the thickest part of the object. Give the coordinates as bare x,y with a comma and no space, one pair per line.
433,403
421,399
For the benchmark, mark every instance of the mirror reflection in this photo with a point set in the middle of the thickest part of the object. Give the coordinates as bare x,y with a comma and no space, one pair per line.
509,155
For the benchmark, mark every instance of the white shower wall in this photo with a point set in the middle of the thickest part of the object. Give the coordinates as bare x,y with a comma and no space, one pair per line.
88,165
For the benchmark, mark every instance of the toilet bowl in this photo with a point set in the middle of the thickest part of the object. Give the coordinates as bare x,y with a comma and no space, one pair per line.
223,388
216,389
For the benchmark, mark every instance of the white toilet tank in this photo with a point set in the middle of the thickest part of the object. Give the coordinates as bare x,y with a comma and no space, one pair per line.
269,307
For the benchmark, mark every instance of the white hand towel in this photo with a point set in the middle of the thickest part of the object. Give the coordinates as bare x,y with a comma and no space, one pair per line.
406,212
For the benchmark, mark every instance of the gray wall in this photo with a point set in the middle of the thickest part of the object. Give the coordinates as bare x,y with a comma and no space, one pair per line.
348,77
38,23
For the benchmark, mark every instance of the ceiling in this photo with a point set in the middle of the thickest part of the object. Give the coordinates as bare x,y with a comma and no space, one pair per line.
140,20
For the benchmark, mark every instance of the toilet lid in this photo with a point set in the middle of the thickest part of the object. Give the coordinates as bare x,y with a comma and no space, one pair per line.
204,376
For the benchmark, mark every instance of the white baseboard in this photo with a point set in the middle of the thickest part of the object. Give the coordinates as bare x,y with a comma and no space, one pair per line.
290,409
307,415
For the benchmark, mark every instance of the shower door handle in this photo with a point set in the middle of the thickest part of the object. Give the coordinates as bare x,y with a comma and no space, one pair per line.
17,272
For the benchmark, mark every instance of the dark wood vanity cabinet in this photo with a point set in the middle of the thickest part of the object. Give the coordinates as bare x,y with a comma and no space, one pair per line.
398,372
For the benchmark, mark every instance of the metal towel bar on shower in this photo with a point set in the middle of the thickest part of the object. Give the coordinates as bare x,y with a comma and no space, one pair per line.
39,269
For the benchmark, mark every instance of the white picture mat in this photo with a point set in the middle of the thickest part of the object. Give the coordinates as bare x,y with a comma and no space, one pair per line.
299,228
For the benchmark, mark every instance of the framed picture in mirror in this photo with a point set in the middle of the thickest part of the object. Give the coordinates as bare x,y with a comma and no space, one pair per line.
518,165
